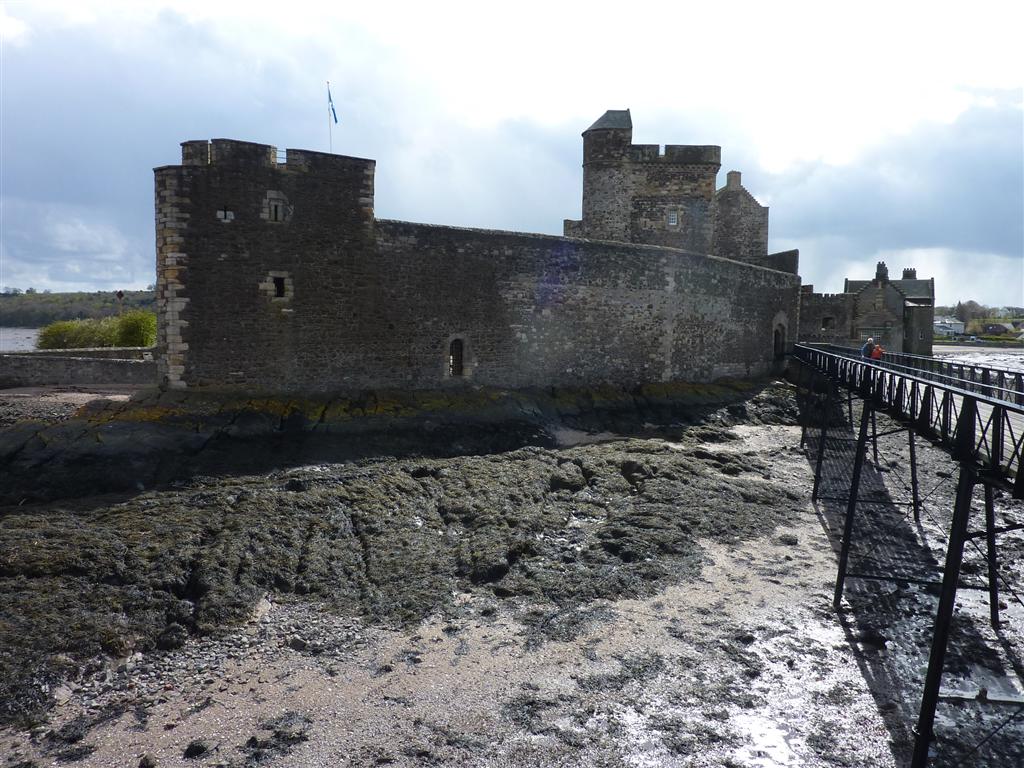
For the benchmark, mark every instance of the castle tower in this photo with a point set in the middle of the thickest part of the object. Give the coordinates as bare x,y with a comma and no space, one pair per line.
235,222
643,193
741,224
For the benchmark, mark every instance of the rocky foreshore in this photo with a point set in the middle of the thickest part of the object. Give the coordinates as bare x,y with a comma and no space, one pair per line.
611,580
157,437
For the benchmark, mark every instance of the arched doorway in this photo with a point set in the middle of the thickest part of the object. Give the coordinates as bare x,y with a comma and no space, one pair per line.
780,335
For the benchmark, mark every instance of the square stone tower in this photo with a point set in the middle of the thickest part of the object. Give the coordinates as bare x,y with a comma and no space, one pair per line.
644,193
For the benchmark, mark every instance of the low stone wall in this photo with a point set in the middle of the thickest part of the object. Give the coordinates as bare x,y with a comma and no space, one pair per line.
109,353
34,369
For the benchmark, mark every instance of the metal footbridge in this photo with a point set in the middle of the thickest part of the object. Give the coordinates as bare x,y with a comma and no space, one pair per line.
974,413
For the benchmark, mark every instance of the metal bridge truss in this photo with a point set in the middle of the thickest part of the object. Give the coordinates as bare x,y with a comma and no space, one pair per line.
974,413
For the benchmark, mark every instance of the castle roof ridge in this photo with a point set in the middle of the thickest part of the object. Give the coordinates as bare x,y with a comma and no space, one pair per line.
613,120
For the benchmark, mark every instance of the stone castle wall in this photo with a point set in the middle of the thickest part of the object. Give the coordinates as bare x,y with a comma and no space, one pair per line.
827,318
233,224
30,369
740,224
918,329
275,276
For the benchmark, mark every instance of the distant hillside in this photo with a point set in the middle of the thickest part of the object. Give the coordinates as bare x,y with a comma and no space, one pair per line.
34,310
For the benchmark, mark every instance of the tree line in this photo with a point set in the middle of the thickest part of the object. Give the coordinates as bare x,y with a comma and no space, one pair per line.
966,311
34,309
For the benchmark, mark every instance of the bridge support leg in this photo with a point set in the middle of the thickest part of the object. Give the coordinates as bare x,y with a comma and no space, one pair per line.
944,615
913,476
993,573
874,437
821,440
806,410
851,504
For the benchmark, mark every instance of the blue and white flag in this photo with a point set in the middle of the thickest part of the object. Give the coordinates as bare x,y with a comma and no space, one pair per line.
330,103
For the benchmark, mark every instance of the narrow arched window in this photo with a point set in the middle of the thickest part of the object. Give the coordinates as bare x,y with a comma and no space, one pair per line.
779,341
455,358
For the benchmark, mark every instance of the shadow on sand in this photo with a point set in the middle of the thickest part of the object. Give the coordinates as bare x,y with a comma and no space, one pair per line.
891,596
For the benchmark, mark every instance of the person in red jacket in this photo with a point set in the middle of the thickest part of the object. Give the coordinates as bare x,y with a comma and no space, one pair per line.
877,352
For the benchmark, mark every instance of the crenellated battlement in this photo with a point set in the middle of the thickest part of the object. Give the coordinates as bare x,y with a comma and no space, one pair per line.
676,154
827,296
232,152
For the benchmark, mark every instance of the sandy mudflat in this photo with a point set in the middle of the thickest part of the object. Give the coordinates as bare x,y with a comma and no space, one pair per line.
51,404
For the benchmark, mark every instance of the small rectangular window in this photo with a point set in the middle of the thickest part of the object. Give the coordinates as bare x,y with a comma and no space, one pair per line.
673,219
279,287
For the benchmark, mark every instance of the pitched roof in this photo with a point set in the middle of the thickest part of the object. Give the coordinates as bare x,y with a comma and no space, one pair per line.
915,289
613,120
912,289
856,286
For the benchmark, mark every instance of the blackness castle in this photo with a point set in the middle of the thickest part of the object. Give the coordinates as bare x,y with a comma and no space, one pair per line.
273,274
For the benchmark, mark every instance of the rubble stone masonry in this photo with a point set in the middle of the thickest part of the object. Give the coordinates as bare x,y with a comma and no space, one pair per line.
274,275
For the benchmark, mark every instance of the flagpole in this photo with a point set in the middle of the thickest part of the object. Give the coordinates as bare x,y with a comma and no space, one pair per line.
330,130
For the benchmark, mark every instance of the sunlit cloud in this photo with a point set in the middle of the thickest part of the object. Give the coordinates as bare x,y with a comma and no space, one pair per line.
13,31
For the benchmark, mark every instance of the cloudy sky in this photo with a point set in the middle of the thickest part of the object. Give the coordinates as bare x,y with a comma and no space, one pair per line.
875,131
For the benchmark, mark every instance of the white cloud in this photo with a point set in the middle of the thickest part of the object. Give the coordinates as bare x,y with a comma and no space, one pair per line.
810,81
474,110
990,278
74,234
963,275
13,31
69,247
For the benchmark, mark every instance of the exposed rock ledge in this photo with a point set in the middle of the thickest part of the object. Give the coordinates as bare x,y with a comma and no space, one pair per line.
155,438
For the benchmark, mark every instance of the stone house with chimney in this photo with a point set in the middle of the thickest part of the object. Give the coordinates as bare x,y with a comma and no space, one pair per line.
898,314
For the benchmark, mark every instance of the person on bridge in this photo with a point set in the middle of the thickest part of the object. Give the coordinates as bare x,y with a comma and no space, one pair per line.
865,351
877,352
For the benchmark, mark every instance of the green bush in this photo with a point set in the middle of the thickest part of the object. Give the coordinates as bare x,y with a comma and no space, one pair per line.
55,335
76,334
136,328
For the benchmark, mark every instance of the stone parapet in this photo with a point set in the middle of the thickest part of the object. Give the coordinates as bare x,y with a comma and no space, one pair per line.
28,370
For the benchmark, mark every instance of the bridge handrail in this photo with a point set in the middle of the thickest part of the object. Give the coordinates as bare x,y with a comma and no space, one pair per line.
929,377
987,432
986,383
928,358
972,365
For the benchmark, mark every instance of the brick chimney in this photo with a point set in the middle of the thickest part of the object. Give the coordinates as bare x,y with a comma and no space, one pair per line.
909,273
